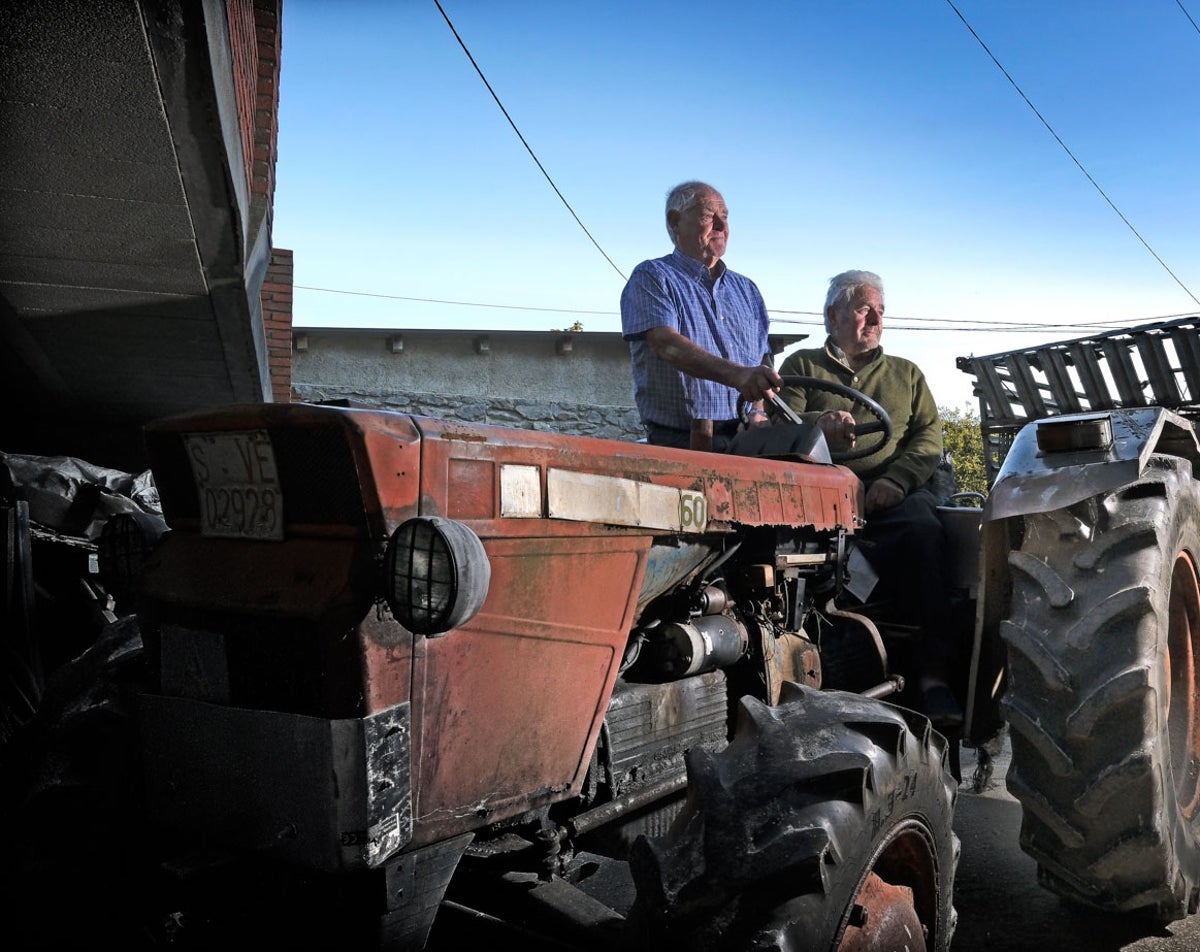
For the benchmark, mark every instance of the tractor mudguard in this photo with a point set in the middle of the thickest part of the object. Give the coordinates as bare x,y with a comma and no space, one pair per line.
1037,478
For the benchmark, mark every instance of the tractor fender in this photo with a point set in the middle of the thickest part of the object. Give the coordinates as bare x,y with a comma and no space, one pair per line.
1034,480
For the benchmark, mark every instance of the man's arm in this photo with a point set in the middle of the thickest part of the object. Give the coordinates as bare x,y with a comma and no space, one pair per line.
837,425
921,448
753,382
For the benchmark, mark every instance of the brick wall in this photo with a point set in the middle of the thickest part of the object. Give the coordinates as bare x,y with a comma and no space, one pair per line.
269,40
254,45
276,297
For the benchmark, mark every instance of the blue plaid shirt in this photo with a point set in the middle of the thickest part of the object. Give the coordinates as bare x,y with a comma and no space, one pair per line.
726,317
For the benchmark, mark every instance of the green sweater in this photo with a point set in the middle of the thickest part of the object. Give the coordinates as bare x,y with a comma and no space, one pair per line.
896,384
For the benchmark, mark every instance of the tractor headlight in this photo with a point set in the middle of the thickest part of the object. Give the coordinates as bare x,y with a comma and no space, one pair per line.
436,575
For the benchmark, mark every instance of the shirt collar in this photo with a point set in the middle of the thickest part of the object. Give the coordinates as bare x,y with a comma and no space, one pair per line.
696,268
840,355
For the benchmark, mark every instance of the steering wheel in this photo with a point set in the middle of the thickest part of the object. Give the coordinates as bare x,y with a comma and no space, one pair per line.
882,423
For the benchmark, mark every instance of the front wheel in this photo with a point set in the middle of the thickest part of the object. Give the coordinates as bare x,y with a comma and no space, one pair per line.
824,826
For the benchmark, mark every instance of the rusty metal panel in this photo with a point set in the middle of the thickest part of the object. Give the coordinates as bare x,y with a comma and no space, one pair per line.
771,506
602,486
507,709
297,578
391,444
474,495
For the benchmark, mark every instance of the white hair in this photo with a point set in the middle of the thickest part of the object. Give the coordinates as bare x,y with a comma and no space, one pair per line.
682,197
842,287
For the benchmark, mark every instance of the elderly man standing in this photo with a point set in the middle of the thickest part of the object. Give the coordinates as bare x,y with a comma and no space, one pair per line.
697,331
903,537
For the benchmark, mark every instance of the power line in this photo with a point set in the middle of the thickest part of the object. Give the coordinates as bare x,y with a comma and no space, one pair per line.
522,138
982,326
1188,15
1068,151
912,323
995,327
978,39
960,323
401,297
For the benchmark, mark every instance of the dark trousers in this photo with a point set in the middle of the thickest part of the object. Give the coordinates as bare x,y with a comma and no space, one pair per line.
723,432
906,545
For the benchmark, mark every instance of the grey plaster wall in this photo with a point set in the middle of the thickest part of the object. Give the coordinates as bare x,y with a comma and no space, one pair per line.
544,380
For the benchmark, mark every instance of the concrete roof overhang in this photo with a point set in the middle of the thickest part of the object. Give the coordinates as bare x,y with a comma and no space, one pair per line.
131,255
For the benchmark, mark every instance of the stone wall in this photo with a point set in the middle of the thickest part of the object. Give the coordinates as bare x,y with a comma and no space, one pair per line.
553,381
616,423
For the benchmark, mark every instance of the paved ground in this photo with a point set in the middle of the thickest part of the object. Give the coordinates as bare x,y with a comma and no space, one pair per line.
1000,906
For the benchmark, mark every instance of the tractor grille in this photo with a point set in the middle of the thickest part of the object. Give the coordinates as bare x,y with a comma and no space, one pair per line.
649,724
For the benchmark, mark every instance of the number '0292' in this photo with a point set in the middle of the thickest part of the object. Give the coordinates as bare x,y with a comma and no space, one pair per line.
242,509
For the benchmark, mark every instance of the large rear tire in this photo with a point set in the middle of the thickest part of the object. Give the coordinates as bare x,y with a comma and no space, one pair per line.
825,824
1103,641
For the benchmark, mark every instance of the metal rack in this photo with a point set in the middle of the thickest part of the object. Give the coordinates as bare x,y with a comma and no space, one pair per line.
1149,365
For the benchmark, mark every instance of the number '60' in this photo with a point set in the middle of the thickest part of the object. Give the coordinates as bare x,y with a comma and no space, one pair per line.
692,511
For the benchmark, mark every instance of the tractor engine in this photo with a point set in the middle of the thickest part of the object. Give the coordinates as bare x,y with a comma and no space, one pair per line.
717,623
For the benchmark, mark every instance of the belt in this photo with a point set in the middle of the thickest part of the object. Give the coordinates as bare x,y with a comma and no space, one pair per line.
723,427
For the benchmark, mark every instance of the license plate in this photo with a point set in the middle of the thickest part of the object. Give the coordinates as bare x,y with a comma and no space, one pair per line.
237,484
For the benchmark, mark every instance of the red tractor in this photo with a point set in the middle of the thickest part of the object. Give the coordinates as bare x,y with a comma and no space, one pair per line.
418,683
416,677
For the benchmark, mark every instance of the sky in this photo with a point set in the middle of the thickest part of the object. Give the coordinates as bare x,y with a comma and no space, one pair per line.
1017,171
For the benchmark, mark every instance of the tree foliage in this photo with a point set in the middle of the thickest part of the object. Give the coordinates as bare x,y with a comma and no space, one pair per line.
963,440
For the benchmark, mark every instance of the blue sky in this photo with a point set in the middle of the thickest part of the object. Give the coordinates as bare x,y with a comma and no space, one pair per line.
874,134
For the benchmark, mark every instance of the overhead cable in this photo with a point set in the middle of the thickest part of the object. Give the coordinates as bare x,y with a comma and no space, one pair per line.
911,323
522,138
1188,15
1068,151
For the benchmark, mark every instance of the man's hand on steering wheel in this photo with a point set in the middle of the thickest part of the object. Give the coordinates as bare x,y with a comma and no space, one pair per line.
758,382
882,424
839,429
